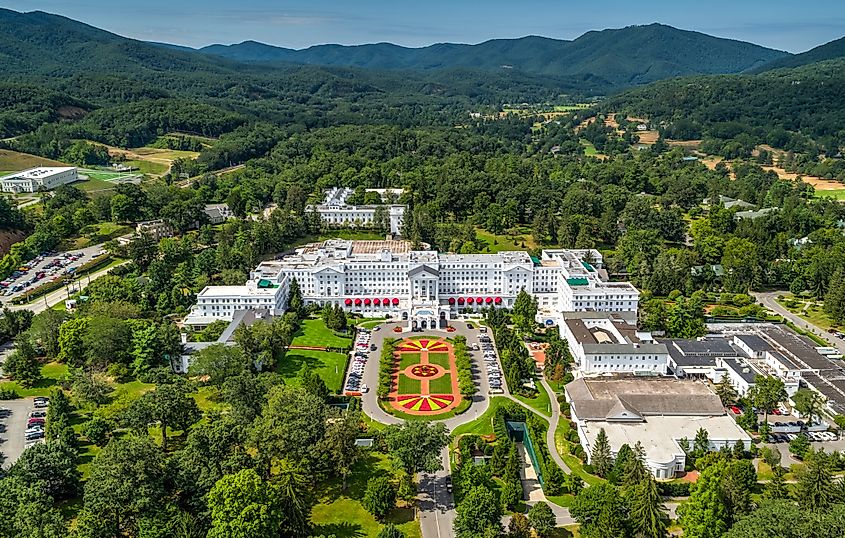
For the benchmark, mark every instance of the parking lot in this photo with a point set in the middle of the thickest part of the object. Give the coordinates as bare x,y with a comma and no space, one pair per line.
492,368
44,268
14,425
361,350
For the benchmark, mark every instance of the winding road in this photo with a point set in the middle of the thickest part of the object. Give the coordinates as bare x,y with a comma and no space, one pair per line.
769,300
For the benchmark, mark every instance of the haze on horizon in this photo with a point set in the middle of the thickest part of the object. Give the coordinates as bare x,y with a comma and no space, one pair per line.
779,24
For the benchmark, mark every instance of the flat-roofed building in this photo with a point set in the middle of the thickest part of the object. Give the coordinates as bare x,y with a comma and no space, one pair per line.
335,212
655,412
42,178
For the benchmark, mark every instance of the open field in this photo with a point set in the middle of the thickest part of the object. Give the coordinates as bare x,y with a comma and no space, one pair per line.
314,333
52,374
807,309
93,185
13,161
328,365
494,243
818,183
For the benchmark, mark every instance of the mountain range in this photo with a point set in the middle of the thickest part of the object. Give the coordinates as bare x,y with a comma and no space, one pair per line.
622,57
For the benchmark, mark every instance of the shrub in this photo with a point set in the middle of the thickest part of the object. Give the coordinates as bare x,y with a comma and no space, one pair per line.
674,489
380,497
9,394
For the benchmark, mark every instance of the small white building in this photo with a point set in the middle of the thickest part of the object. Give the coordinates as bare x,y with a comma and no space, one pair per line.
742,374
217,213
602,344
157,229
43,178
223,302
335,212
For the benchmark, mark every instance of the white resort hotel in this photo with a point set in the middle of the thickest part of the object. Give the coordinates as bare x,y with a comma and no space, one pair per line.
423,287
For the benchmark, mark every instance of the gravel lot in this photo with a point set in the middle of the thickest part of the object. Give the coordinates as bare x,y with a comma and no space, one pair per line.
13,442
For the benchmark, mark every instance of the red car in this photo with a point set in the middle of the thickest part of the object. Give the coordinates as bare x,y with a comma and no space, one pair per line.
736,410
35,420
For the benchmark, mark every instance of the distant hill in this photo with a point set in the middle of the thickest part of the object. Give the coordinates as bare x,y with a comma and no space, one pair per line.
828,51
621,57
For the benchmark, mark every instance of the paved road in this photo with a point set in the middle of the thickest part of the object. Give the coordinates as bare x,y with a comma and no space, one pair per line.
768,300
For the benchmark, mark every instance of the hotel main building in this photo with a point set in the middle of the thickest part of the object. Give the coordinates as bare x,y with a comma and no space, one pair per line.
423,287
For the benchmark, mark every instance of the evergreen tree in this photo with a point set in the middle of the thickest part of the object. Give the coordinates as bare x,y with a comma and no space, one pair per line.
646,511
22,365
542,519
601,458
524,311
834,299
776,488
726,391
815,489
705,515
295,303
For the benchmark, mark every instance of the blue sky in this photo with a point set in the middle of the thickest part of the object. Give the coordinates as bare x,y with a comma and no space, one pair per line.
787,25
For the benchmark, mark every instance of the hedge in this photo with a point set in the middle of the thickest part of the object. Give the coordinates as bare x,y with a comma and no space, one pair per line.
385,367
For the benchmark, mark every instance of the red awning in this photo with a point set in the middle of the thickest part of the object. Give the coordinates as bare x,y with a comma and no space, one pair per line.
385,301
451,300
460,300
488,300
348,302
367,301
358,302
498,300
470,300
395,301
479,300
376,301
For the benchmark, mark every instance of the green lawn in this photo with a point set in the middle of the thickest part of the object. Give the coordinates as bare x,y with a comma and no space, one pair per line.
147,167
328,365
315,333
370,323
440,359
408,359
441,385
408,385
493,243
52,373
483,425
339,513
589,149
94,184
541,403
838,194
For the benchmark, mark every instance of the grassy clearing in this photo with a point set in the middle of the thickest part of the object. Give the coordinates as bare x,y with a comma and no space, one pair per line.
94,184
15,161
541,402
314,333
807,309
562,445
147,167
589,149
339,512
493,243
328,365
52,373
440,359
838,194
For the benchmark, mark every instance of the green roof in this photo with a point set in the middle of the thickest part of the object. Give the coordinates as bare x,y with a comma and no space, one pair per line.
588,267
535,260
578,281
264,283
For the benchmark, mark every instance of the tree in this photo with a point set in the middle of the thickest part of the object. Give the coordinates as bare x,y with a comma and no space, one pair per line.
219,362
601,458
295,303
766,394
127,481
71,346
815,489
379,497
776,488
726,391
416,445
390,531
243,505
808,402
313,383
168,405
705,515
339,443
291,426
738,480
785,519
26,512
800,446
542,519
519,526
600,511
45,331
646,511
524,311
98,430
22,365
50,466
701,444
511,493
834,300
478,511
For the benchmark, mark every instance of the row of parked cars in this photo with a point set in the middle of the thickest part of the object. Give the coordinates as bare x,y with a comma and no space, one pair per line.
838,334
812,436
360,354
494,371
35,422
18,280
